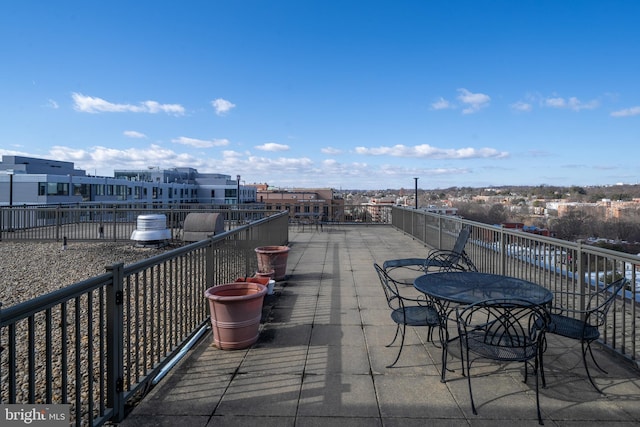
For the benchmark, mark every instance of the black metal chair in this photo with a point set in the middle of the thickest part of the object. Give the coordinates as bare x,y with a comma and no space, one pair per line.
406,311
583,324
505,331
455,259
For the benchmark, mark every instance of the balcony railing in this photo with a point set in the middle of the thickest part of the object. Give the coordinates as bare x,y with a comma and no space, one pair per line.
108,221
116,222
99,343
555,264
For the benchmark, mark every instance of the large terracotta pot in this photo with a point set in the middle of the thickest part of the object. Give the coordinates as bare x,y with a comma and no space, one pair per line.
273,257
236,309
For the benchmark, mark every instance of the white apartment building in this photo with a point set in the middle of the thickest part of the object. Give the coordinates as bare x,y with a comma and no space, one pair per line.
33,181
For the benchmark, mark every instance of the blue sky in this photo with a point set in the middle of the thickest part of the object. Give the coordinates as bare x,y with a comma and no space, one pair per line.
342,94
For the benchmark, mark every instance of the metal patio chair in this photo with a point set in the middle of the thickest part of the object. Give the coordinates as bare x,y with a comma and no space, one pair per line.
502,330
455,259
583,324
406,311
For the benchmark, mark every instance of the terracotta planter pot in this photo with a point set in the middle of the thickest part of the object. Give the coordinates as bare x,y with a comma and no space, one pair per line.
268,277
236,309
264,281
273,257
268,274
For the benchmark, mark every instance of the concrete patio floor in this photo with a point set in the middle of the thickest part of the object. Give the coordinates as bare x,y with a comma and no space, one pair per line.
321,360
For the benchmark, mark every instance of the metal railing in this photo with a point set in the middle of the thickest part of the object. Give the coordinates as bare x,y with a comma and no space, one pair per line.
116,222
99,343
113,222
555,264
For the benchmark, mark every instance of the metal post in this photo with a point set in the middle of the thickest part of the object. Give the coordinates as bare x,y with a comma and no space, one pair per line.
238,193
238,199
115,342
10,188
416,180
10,173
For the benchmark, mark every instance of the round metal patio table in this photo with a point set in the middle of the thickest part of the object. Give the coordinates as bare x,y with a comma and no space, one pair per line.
467,287
450,289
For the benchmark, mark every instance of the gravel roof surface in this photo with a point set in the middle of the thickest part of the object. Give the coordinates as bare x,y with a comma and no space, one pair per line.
30,269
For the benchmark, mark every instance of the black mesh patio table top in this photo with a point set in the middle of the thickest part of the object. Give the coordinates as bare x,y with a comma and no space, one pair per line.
471,287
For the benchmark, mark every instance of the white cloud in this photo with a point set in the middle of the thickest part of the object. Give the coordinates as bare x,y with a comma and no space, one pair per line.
134,134
222,106
627,112
571,103
427,151
52,104
522,106
89,104
555,102
473,101
231,154
331,150
441,104
201,143
107,159
272,146
576,105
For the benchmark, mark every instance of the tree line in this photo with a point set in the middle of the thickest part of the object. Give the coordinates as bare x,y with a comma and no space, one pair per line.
617,234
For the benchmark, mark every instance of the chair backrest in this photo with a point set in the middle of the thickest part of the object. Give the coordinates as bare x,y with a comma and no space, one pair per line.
390,287
600,302
461,241
506,324
457,252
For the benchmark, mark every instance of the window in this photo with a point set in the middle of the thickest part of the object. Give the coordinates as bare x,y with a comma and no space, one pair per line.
121,192
53,189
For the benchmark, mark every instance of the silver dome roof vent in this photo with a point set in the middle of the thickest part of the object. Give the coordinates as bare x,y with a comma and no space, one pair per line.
151,230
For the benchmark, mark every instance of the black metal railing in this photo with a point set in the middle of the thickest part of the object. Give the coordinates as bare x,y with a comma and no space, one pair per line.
116,222
99,343
556,264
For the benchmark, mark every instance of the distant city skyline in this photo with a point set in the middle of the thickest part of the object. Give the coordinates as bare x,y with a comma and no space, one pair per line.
348,95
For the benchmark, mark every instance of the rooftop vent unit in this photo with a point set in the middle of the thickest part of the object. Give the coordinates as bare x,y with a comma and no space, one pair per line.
200,226
151,230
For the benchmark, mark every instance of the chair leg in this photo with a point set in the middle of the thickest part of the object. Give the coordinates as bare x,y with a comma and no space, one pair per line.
430,334
402,332
394,337
536,367
540,356
594,359
586,366
473,405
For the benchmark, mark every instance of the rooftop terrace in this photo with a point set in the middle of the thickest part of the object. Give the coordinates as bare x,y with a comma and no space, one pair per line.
321,356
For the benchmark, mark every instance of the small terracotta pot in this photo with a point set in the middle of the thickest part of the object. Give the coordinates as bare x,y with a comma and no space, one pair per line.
268,274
